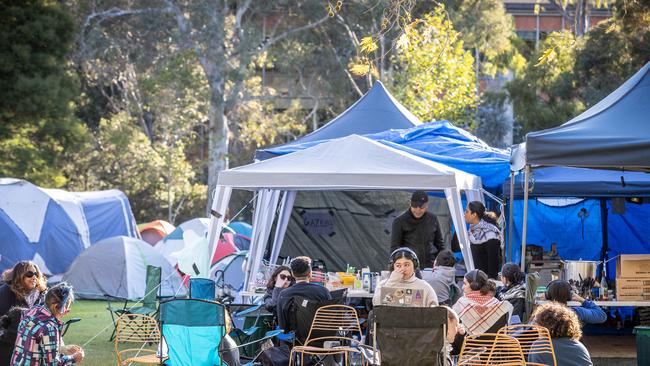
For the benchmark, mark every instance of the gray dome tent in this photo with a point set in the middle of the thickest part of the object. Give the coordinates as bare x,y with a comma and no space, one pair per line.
117,267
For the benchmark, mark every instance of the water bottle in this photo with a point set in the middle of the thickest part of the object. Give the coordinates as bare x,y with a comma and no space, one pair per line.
355,358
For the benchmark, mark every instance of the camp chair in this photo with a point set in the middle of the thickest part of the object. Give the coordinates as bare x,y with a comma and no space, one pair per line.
410,335
149,301
532,338
202,288
136,329
193,330
331,323
299,316
491,349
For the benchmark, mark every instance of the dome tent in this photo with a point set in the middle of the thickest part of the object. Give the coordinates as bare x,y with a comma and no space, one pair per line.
117,267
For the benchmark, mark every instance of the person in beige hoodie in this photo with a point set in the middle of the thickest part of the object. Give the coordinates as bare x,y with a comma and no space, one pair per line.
405,273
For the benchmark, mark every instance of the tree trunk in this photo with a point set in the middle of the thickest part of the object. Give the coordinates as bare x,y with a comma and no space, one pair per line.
217,136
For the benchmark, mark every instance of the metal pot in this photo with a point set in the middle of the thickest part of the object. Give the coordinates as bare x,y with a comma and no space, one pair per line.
579,270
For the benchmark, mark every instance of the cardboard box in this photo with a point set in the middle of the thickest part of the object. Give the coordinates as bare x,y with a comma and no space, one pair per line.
632,286
633,265
633,297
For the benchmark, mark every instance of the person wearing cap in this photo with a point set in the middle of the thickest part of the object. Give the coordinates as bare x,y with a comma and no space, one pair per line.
419,230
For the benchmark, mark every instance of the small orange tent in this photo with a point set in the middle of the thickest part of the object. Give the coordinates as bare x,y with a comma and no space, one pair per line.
152,232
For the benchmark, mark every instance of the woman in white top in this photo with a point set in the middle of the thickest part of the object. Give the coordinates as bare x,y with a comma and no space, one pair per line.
405,274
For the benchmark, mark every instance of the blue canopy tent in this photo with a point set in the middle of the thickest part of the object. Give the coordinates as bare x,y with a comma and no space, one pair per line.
376,111
602,231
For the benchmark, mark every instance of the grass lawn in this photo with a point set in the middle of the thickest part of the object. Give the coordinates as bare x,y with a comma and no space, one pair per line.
95,322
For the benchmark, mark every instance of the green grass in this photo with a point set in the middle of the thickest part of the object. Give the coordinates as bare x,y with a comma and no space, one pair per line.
92,332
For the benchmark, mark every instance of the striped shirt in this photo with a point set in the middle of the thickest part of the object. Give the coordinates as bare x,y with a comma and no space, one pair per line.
39,339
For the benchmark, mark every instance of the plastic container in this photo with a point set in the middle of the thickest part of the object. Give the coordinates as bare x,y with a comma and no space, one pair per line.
642,345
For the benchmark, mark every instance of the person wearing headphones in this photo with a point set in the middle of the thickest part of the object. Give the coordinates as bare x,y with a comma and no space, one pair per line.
479,311
588,312
405,273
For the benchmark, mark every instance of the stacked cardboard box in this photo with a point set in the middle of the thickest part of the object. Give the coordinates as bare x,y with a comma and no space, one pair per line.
633,277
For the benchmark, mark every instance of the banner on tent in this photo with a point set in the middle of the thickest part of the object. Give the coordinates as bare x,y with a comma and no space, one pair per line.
318,223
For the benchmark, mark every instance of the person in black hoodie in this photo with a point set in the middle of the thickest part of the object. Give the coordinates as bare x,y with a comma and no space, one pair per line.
419,230
280,279
301,272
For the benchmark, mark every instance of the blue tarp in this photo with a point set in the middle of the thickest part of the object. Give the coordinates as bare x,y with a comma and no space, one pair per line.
376,111
441,142
581,182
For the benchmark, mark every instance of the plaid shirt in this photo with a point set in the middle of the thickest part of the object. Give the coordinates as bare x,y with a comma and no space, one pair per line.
39,337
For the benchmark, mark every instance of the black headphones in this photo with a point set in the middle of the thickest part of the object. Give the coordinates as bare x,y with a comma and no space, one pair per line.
395,254
473,284
556,282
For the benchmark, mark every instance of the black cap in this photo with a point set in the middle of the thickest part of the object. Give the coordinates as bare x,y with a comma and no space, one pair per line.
419,198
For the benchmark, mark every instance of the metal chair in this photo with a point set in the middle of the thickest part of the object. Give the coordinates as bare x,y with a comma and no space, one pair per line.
331,323
491,349
137,329
532,338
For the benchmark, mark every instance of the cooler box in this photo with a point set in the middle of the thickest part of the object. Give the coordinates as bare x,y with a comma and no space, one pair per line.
642,345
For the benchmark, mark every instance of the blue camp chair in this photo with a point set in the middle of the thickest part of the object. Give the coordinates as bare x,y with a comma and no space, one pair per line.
202,288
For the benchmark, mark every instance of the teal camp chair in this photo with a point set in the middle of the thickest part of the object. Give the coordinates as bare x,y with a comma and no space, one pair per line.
193,330
149,301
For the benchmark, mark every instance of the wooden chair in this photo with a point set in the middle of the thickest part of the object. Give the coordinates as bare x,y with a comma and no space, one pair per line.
491,349
331,323
532,338
137,329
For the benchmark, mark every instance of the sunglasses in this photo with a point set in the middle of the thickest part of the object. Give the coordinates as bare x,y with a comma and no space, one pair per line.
285,277
30,274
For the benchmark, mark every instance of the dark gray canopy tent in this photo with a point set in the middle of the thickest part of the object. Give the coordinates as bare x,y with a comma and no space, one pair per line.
613,134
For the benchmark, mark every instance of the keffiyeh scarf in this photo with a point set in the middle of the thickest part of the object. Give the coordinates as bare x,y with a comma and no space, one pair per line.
480,312
482,232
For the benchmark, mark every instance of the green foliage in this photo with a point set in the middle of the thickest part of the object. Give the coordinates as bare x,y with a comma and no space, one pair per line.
544,95
434,75
155,177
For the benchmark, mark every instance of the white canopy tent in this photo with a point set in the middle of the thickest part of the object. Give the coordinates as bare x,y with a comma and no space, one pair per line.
348,163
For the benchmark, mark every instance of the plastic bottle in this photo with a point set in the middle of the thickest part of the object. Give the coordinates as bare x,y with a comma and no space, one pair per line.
355,358
357,281
603,286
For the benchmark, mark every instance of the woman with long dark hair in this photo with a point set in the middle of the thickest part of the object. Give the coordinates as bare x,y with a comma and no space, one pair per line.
280,279
513,289
24,286
485,239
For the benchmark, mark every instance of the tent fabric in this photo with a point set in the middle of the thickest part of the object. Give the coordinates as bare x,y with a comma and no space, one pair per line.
376,111
241,227
117,267
175,242
152,232
348,163
53,226
351,162
441,142
581,182
614,133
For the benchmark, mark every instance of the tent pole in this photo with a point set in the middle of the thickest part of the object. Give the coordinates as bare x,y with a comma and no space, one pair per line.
510,209
523,230
604,224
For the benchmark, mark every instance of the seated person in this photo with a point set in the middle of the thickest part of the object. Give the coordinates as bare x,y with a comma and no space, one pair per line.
443,277
588,313
301,272
513,289
39,333
280,279
455,335
478,309
565,331
8,330
405,274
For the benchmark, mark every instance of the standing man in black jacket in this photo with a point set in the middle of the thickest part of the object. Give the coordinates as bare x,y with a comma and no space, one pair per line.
419,230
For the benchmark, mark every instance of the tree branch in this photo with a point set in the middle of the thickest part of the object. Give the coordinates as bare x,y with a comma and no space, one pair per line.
115,12
240,14
286,34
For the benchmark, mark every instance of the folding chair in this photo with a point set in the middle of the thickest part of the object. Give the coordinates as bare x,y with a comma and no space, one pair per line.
299,316
331,323
534,340
410,335
141,330
202,288
193,330
491,349
149,301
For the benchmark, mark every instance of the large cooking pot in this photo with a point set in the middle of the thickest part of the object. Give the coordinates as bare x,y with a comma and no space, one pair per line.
579,270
